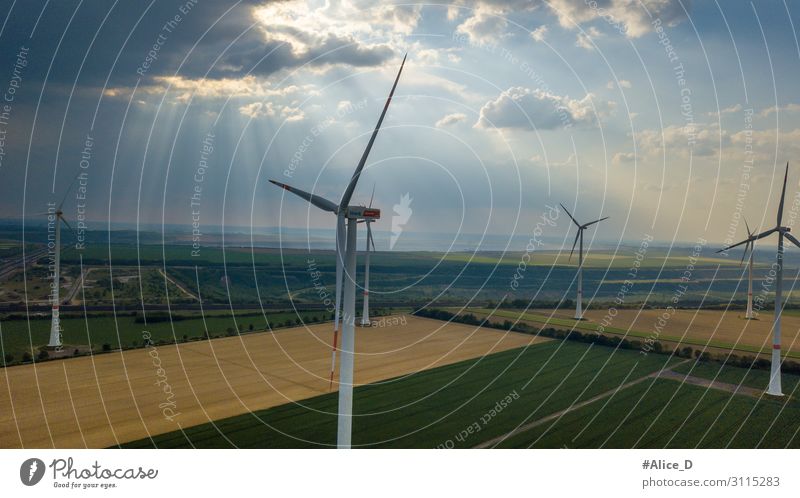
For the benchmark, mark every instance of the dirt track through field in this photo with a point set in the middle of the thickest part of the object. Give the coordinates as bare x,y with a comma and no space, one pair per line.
663,373
713,384
117,397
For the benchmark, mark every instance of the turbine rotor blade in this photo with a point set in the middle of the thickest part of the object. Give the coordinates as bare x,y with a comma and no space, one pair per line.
735,245
68,190
749,233
595,221
370,240
348,193
764,234
69,226
570,215
744,253
752,239
792,238
314,199
372,197
573,244
783,195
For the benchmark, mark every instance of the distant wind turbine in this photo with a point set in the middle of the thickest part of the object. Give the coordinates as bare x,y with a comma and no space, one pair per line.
55,322
749,244
783,232
579,236
346,254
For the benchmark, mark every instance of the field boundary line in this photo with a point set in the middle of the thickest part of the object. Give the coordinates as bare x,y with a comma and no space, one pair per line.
176,284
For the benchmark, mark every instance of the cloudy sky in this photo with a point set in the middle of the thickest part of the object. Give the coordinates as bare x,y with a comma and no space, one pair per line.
673,118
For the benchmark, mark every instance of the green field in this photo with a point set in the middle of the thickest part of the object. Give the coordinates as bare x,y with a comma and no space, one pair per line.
271,275
127,285
245,275
668,414
95,331
755,378
437,407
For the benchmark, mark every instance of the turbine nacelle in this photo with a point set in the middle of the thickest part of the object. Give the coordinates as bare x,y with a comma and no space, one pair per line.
363,213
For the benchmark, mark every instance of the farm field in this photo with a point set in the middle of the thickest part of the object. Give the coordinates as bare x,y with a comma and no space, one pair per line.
622,259
246,275
109,399
669,414
14,288
431,408
436,408
754,378
129,284
725,330
107,332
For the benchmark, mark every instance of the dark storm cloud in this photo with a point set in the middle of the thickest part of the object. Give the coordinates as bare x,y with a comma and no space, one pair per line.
134,30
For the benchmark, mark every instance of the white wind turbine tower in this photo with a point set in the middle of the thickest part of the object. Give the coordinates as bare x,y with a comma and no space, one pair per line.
55,322
749,244
783,232
370,242
346,255
579,236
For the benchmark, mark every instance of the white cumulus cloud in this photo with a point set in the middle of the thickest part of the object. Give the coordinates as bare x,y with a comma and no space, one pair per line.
526,108
451,119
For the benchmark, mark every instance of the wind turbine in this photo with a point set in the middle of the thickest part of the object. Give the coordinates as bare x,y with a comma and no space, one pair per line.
346,255
579,236
365,311
55,322
783,232
749,243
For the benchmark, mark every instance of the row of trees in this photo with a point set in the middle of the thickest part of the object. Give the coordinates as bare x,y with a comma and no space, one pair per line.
741,361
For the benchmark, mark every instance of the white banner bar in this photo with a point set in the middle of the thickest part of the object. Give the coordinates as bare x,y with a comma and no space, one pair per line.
400,473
